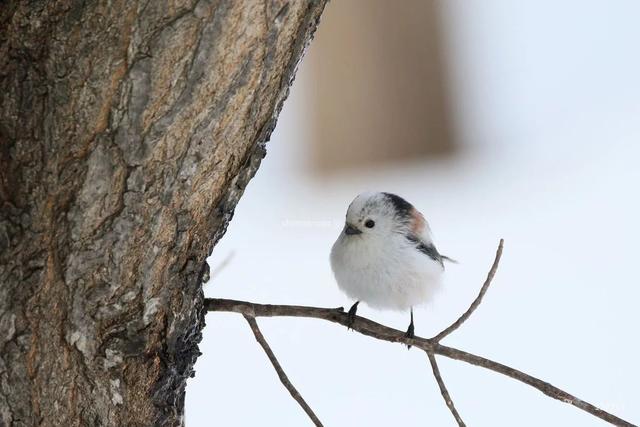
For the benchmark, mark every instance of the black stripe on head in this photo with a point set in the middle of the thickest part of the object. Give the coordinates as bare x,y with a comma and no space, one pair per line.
402,207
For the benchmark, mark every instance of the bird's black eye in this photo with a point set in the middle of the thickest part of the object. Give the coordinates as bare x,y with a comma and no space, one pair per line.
369,223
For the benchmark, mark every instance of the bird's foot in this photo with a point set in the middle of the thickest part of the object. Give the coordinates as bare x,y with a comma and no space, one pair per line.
351,315
410,334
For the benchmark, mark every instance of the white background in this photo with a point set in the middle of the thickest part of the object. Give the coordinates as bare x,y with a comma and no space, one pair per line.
547,103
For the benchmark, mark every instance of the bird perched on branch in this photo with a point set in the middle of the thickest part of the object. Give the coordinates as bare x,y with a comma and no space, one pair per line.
385,255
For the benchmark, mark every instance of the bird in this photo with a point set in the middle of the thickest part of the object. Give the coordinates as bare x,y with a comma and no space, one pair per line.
385,256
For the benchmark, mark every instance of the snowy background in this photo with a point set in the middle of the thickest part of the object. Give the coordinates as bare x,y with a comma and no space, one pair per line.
546,98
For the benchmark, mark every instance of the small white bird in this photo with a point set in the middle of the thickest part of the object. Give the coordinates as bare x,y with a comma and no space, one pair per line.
385,256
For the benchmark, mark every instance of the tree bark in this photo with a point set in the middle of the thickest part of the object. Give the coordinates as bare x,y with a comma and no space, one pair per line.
128,132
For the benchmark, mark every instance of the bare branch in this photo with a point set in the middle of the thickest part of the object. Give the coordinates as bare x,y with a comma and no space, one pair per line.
281,374
430,346
546,388
492,272
443,390
384,333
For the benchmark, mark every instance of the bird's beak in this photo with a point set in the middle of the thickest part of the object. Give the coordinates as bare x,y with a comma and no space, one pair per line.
351,230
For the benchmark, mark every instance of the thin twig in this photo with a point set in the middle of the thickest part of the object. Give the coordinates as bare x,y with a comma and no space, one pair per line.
385,333
443,390
281,374
546,388
430,346
492,272
224,264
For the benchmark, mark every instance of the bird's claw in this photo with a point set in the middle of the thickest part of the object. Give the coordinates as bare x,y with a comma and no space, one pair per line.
410,335
351,315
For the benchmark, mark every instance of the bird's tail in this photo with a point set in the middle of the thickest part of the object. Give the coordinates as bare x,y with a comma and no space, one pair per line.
446,258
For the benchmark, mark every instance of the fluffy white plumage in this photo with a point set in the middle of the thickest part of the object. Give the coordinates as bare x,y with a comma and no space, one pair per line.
385,256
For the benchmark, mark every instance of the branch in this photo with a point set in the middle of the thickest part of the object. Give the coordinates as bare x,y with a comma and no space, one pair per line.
430,346
455,325
283,376
375,330
443,390
546,388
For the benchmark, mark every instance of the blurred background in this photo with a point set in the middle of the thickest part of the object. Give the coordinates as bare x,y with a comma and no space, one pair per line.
496,119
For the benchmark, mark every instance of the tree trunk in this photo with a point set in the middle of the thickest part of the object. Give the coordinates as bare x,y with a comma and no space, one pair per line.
128,132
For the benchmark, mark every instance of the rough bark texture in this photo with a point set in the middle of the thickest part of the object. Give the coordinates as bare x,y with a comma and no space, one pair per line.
128,131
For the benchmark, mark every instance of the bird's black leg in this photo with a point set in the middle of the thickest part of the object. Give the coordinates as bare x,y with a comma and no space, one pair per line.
410,329
351,315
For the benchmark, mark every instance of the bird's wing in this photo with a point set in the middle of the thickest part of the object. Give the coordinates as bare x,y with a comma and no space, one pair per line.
420,234
427,248
419,225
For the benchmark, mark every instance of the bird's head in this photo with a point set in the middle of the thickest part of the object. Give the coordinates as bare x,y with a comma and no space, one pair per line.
380,215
